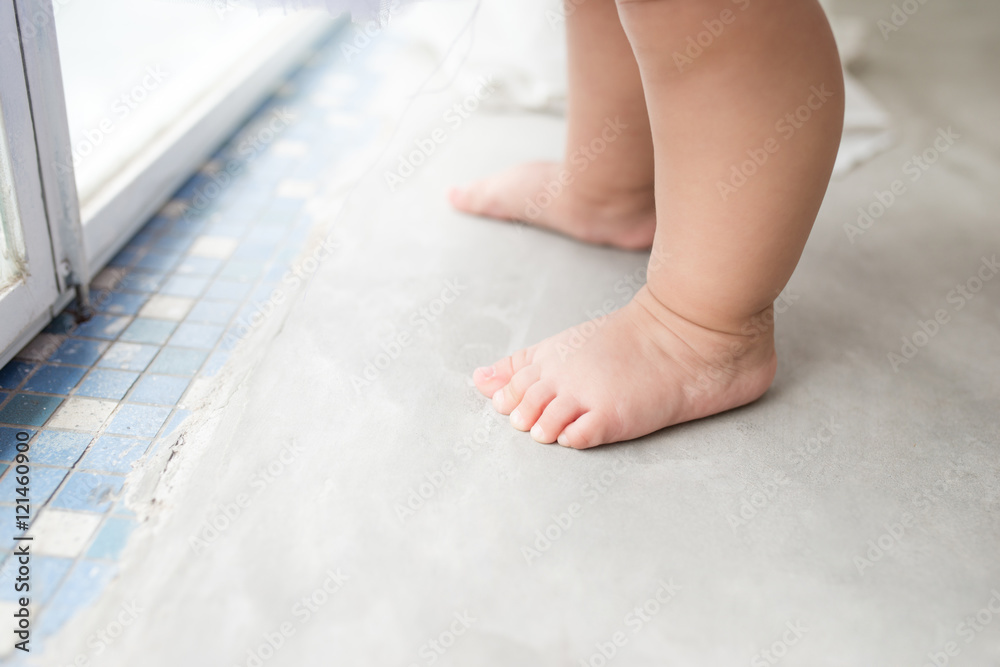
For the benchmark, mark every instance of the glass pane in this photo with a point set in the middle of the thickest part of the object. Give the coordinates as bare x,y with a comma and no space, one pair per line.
11,238
132,69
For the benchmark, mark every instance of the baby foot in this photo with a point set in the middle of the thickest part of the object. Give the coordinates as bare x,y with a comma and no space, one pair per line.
635,371
534,193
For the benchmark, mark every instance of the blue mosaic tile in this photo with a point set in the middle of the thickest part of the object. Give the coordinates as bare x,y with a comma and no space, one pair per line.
44,481
139,420
253,251
202,336
241,269
111,539
54,379
8,531
79,351
189,286
147,330
225,228
142,282
119,303
229,290
212,312
178,361
58,448
159,389
106,383
9,440
114,454
172,244
89,492
157,261
198,266
176,420
80,589
14,373
63,323
106,327
28,409
128,356
46,574
215,362
125,257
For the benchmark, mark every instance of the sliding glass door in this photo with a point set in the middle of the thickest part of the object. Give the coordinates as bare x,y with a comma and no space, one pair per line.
108,107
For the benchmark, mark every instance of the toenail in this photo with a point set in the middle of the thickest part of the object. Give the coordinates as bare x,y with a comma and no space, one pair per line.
486,371
563,440
515,418
536,432
498,397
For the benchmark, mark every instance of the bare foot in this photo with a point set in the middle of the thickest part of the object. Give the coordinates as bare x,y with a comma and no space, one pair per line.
633,372
548,195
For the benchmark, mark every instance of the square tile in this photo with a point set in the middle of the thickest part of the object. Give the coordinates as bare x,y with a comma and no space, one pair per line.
81,589
118,303
28,409
60,533
241,269
139,420
58,448
14,373
79,351
89,492
189,286
111,539
178,361
158,262
44,481
129,356
145,330
216,247
61,324
293,189
9,439
106,327
201,336
108,280
167,307
213,312
229,290
114,454
159,389
106,383
82,414
254,251
216,362
54,379
142,282
198,266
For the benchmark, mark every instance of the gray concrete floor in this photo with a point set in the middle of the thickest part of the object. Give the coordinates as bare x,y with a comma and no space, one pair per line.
850,517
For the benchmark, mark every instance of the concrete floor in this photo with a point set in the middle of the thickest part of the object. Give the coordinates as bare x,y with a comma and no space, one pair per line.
850,517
